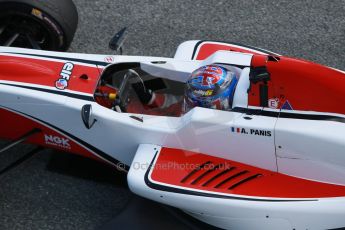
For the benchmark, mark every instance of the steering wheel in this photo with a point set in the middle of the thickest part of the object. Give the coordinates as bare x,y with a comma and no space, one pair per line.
121,100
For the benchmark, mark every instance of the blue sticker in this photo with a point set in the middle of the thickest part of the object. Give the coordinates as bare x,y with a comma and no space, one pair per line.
61,84
287,106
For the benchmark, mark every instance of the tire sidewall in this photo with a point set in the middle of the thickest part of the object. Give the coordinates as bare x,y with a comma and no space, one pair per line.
61,34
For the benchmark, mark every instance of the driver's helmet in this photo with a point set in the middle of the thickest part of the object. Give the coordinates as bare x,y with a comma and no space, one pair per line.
210,86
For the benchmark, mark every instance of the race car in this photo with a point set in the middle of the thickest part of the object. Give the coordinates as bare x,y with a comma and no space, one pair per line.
273,160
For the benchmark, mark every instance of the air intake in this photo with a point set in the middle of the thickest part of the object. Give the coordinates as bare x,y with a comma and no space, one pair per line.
219,176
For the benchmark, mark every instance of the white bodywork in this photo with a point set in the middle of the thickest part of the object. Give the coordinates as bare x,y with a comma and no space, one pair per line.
296,145
239,214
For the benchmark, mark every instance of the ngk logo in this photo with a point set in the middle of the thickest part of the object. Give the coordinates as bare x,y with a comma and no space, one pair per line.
57,141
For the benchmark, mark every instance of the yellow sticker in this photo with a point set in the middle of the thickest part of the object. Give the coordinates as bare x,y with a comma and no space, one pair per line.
37,13
208,92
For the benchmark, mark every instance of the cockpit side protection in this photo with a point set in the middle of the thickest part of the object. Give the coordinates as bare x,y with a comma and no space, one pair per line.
261,75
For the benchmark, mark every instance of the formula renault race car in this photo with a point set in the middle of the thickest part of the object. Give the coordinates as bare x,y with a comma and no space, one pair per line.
273,160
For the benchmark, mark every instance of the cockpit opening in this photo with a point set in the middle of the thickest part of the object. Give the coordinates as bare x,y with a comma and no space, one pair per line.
127,88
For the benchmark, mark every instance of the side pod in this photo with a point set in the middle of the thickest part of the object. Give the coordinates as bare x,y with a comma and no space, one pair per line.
230,194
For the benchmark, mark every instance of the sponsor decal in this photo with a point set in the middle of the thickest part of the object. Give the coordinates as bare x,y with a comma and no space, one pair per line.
57,141
61,84
287,105
37,13
65,75
203,92
273,103
254,132
109,59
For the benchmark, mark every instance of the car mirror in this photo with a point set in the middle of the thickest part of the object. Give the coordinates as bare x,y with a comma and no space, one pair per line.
117,41
87,117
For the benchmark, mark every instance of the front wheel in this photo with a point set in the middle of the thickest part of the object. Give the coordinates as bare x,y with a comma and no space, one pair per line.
38,24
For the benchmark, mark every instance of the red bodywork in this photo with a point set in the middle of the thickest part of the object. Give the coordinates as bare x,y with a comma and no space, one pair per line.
207,49
307,86
17,125
191,170
43,73
47,72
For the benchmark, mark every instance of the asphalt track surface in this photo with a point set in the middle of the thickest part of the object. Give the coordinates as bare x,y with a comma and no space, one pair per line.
53,190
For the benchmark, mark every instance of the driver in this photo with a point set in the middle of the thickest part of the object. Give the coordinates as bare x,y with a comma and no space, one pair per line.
210,86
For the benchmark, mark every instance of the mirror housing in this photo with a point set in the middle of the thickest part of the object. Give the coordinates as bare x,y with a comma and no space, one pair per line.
117,41
86,115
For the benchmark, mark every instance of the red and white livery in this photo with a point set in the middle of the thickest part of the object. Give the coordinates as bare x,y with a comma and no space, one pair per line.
275,160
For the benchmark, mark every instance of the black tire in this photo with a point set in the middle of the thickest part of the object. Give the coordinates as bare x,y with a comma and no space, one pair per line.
51,23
